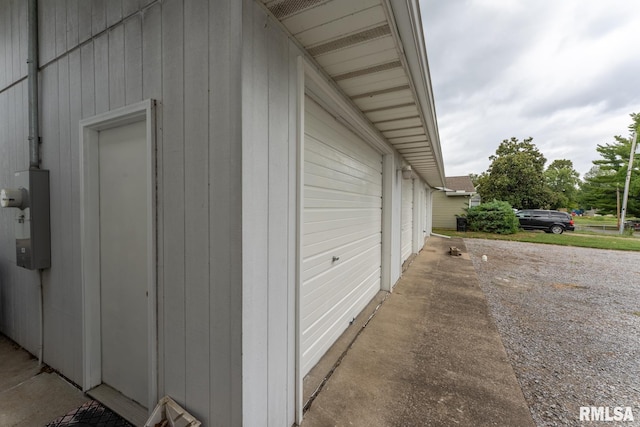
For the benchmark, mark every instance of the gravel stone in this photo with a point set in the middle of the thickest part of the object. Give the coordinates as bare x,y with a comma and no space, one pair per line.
569,319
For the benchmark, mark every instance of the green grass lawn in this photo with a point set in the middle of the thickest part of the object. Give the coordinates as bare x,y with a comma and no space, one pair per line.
595,220
597,241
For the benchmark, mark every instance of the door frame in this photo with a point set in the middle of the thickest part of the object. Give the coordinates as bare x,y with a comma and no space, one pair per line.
90,240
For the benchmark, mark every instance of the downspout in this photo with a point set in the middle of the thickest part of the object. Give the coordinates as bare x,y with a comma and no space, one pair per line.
34,127
32,81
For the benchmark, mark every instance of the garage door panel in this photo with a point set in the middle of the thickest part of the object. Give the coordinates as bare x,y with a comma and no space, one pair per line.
322,261
315,231
322,149
319,281
337,136
342,218
328,251
327,292
347,176
316,142
323,155
341,182
326,198
339,318
326,215
334,241
329,165
329,287
327,331
356,188
339,224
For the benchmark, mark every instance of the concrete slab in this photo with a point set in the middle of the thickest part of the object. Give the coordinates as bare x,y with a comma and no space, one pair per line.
27,397
16,365
431,356
38,401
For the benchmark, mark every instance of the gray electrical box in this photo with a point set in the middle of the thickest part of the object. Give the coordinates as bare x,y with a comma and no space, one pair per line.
32,225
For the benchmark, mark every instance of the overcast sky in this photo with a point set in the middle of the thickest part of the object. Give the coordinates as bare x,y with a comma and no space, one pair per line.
565,72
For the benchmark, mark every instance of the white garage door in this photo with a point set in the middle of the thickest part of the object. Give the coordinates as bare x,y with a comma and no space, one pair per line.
342,231
406,238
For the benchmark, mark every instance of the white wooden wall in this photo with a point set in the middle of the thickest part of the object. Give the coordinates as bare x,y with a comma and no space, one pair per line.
224,78
270,90
96,56
18,304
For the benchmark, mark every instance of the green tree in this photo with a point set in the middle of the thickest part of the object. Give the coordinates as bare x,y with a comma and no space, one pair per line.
598,190
562,180
608,175
516,175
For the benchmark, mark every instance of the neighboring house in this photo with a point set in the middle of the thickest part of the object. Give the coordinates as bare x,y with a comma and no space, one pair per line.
231,182
452,200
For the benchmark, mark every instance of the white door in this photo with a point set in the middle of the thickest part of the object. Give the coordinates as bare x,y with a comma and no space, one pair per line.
124,226
406,229
342,231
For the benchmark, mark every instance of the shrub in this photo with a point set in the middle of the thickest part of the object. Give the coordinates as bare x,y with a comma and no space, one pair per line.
493,217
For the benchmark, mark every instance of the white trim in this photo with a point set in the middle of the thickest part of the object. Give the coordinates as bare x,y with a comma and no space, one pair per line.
299,378
430,192
90,240
417,240
388,174
458,193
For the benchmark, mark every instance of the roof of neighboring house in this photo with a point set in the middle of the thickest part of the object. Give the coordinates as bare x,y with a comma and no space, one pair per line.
374,52
460,184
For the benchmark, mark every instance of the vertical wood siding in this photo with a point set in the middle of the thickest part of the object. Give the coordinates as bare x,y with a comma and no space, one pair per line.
13,41
269,200
99,55
225,180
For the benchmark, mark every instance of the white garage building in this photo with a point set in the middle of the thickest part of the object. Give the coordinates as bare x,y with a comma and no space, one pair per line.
231,183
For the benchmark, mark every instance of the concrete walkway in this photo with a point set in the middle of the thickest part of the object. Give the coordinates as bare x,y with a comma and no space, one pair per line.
431,356
29,397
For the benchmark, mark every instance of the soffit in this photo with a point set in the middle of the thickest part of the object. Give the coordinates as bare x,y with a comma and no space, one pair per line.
357,45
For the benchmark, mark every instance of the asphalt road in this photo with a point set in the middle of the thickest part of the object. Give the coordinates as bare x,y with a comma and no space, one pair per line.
569,319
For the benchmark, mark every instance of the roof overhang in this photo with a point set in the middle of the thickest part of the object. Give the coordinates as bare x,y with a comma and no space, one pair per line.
373,52
458,193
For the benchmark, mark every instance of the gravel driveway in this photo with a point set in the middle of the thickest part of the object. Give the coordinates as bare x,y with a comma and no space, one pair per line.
570,321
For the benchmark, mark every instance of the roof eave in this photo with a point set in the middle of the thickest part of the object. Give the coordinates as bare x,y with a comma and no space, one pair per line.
458,193
406,17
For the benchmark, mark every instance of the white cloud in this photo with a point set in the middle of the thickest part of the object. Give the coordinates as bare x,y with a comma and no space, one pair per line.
564,73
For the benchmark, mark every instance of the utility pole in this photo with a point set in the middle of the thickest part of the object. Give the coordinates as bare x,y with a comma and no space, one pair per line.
618,203
628,180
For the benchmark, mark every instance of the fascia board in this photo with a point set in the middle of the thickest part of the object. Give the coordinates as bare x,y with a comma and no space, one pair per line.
408,26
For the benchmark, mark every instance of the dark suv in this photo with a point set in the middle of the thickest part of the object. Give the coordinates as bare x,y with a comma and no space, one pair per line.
548,221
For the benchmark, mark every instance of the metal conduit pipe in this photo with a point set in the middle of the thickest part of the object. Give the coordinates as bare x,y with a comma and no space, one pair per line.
34,127
32,81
